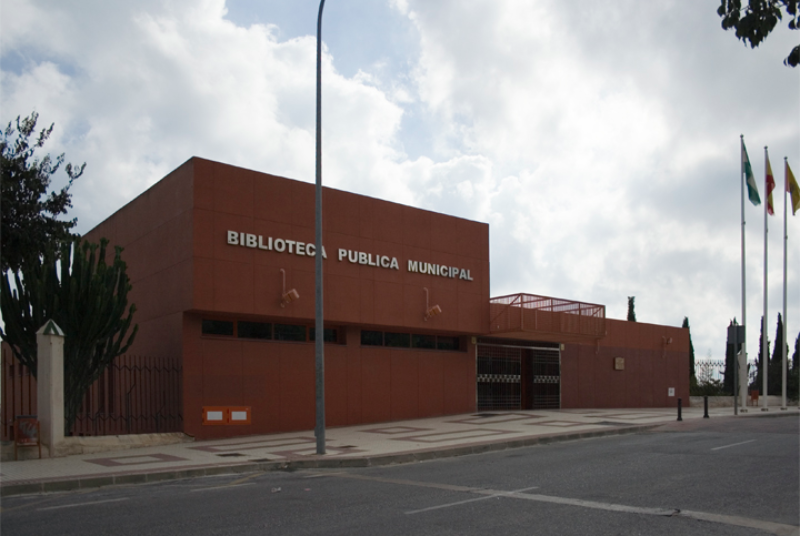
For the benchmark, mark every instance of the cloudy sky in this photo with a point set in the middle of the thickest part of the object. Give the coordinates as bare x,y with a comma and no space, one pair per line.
600,140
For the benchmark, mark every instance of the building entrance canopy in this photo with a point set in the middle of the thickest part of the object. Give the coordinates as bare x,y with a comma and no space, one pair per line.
541,318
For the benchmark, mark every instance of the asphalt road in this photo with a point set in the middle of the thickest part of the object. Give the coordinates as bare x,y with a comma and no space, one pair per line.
720,476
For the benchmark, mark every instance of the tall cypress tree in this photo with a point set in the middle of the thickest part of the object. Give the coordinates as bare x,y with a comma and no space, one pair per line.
692,373
757,382
793,382
775,379
631,312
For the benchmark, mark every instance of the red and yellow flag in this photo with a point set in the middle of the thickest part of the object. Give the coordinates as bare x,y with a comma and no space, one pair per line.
792,189
770,185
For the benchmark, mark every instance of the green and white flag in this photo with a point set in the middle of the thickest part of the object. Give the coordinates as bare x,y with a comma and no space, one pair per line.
752,189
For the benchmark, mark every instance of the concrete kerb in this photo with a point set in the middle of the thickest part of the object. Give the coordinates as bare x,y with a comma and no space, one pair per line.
93,482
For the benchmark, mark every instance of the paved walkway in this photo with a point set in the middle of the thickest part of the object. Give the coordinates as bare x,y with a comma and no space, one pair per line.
352,446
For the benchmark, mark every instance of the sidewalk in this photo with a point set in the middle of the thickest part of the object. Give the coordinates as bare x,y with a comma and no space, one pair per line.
352,446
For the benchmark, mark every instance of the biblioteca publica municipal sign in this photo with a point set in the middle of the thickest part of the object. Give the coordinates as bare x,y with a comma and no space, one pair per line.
296,247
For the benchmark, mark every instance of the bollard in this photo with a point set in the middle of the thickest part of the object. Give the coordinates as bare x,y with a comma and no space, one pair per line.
705,407
680,402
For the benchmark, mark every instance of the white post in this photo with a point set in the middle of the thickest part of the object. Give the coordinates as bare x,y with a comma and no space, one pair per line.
784,364
742,350
764,350
50,385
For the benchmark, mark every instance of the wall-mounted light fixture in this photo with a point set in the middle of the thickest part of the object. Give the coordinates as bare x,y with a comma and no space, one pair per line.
430,310
288,296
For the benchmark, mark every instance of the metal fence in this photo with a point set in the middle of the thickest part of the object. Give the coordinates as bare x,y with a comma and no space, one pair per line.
549,319
714,369
135,395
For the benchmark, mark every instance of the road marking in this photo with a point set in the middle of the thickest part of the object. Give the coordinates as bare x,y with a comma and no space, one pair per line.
245,479
733,445
767,526
226,486
82,504
495,495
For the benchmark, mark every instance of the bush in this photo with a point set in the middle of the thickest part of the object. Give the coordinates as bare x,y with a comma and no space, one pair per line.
707,388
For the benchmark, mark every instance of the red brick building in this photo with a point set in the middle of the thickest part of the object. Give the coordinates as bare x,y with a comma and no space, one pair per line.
222,267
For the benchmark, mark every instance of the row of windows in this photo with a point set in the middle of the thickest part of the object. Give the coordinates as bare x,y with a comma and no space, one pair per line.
267,331
302,333
411,340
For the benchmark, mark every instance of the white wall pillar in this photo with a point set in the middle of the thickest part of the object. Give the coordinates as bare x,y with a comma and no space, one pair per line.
50,385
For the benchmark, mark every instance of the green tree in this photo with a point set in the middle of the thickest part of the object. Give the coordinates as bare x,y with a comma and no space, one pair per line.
692,373
631,312
86,297
775,380
793,381
757,381
754,22
29,212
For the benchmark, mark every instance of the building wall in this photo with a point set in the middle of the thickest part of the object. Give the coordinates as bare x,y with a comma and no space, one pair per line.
183,269
155,230
363,384
240,280
589,380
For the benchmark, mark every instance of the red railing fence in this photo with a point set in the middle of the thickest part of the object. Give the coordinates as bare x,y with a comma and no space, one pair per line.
135,395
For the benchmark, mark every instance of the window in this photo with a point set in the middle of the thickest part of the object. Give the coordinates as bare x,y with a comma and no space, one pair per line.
329,335
254,330
423,341
448,343
371,338
290,332
415,340
397,340
218,327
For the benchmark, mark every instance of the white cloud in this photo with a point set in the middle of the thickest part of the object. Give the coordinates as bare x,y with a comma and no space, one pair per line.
600,141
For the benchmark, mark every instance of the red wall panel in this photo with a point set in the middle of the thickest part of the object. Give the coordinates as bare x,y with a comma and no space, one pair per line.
652,366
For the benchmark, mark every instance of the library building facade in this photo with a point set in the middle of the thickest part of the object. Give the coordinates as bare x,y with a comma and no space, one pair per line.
221,261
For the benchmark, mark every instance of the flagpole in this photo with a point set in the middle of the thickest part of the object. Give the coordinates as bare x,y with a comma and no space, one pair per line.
785,323
764,351
742,392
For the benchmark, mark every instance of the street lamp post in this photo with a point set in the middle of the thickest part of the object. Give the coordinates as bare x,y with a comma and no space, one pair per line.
319,327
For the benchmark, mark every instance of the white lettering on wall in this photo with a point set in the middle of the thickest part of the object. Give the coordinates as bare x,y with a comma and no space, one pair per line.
442,270
268,243
295,247
368,259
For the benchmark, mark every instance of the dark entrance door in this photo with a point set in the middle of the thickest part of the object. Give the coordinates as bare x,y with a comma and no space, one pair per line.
518,377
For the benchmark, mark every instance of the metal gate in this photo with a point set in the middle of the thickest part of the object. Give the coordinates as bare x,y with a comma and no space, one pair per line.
518,377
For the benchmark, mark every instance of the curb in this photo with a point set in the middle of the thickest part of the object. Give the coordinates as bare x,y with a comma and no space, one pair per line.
72,484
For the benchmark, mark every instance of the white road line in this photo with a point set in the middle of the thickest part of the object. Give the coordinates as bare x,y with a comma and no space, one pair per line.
768,526
493,495
82,504
229,486
733,445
